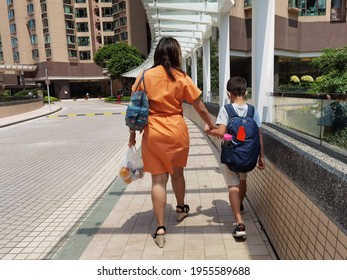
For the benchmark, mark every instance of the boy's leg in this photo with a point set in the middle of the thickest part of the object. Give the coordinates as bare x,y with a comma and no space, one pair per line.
234,198
233,181
242,189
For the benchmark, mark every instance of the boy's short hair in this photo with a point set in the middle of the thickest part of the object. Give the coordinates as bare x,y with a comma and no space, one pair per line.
237,86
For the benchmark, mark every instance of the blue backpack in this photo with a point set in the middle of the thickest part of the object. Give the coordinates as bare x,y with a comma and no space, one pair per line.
136,116
242,155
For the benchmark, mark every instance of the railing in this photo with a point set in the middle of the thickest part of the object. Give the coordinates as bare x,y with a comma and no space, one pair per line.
318,118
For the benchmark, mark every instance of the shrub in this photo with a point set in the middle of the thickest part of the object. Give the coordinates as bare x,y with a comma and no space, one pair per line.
295,79
338,139
51,99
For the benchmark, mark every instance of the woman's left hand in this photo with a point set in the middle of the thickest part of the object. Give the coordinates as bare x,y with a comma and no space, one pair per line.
132,139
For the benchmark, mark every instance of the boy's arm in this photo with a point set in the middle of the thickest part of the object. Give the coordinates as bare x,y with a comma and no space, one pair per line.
216,132
261,160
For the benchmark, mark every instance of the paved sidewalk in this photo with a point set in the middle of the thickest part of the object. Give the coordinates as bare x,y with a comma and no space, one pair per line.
205,234
128,221
44,111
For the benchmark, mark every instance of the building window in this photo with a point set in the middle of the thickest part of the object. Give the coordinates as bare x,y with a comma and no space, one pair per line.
31,24
81,13
69,24
45,22
106,1
82,27
16,56
10,14
80,1
106,12
47,38
85,55
312,7
83,41
14,42
116,23
123,21
68,9
121,6
43,8
33,39
107,26
9,2
13,28
338,11
30,9
108,40
72,53
247,3
124,36
71,39
48,52
116,38
35,53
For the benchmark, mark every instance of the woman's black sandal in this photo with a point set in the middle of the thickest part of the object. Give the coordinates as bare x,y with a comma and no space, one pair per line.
159,239
180,215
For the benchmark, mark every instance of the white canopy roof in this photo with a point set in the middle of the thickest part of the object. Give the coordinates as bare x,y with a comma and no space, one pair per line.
18,67
188,21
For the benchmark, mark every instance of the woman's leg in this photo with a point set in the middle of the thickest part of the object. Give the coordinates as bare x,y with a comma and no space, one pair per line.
158,194
178,185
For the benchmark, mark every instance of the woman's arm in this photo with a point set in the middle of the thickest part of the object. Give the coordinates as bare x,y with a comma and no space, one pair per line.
201,109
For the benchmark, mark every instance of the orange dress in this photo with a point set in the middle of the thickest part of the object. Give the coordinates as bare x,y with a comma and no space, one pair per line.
165,141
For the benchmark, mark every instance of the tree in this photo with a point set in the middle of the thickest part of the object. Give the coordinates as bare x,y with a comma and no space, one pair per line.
214,61
332,68
118,58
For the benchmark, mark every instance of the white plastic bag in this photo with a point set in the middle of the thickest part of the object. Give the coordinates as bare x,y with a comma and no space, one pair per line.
132,166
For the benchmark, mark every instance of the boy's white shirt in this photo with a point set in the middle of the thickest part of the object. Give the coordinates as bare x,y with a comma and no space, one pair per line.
240,109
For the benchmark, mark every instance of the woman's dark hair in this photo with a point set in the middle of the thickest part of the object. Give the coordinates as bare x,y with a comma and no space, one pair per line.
168,54
237,86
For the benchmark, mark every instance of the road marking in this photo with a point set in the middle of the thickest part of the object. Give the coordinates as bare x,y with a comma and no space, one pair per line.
85,115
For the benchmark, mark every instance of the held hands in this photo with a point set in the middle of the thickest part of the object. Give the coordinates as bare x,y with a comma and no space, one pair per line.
207,129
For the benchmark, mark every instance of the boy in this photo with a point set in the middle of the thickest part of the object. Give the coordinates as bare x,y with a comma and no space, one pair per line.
237,89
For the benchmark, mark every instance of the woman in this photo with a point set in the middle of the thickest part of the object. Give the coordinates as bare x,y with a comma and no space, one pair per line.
165,141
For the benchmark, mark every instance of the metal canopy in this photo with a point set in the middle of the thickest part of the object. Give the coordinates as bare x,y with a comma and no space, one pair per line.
189,22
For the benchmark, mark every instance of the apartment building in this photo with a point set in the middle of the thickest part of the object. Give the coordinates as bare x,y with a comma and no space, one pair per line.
55,41
303,28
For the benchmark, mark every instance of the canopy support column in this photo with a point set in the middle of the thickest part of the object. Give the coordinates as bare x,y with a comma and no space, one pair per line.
206,70
263,37
224,57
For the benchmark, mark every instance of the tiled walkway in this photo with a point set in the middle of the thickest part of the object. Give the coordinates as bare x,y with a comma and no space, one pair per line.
125,218
205,234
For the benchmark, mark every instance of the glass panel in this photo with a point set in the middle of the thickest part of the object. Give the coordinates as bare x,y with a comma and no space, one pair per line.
322,120
248,3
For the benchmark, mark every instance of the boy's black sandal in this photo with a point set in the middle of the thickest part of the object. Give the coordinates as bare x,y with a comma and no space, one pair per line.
159,239
180,215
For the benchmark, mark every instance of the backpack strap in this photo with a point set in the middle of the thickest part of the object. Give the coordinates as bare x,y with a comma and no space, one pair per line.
230,110
141,80
250,111
232,113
